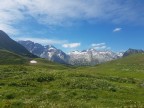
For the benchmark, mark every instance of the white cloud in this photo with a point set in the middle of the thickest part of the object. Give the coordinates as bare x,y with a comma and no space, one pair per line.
9,15
71,45
43,41
8,29
65,12
100,46
117,29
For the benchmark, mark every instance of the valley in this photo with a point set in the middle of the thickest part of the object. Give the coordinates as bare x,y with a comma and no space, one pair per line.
118,83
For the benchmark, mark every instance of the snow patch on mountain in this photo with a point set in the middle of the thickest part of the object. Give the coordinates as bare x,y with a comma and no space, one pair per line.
91,57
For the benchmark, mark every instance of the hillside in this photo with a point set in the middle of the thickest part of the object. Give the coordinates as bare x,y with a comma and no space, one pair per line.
6,43
10,58
7,57
119,83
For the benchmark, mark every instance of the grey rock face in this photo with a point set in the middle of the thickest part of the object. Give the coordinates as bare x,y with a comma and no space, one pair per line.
48,51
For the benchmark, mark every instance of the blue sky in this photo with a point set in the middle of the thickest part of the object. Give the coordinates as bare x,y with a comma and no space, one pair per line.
76,24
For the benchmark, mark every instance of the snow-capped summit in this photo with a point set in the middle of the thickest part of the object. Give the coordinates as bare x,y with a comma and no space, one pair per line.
91,57
120,54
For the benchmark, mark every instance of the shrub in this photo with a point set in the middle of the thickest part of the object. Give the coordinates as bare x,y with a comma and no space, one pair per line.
2,84
22,84
45,78
10,96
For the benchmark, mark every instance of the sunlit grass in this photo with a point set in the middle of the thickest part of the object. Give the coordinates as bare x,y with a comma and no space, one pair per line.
118,83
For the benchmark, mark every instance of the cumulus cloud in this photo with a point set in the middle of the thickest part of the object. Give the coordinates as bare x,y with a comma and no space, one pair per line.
100,46
43,41
65,12
117,29
71,45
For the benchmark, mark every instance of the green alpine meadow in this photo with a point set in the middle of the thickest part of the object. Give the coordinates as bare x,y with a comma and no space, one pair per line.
115,84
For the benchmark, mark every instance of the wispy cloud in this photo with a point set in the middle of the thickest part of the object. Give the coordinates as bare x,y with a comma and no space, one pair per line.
10,15
9,29
43,41
100,46
117,29
65,12
71,45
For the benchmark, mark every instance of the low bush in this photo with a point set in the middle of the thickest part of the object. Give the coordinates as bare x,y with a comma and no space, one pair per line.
45,78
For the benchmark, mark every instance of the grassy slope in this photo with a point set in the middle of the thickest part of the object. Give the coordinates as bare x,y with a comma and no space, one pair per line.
118,83
7,57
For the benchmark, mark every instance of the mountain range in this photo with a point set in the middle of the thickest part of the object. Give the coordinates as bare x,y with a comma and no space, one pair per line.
49,52
91,57
85,57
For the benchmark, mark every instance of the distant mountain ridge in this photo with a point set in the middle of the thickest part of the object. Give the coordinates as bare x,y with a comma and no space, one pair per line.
91,57
131,51
48,51
6,43
85,57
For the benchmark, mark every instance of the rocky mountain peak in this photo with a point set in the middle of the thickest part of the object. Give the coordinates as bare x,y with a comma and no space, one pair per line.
131,51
